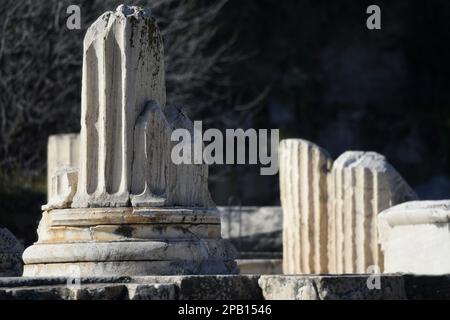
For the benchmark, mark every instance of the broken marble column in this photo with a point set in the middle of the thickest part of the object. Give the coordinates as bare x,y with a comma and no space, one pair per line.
123,69
11,250
156,180
364,184
62,189
330,209
62,151
134,211
415,238
304,169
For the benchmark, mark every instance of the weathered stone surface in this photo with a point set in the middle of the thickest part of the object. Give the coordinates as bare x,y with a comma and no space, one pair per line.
364,184
126,127
123,69
96,292
330,288
210,287
205,251
156,180
63,188
344,287
254,231
63,150
101,225
134,212
135,288
415,237
159,241
423,287
152,291
10,254
330,209
304,169
260,266
22,282
90,292
355,287
36,293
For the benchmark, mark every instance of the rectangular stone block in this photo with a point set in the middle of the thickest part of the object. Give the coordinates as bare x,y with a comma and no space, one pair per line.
415,237
355,287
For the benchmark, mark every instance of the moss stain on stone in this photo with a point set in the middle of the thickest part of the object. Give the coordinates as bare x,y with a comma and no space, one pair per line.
124,230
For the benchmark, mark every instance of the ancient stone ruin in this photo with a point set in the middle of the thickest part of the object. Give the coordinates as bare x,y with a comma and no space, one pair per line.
128,210
331,209
303,188
10,254
415,237
63,151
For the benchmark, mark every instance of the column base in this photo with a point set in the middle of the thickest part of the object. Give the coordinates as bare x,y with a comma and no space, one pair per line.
129,242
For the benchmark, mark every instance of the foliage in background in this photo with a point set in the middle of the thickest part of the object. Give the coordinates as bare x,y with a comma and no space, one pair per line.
40,71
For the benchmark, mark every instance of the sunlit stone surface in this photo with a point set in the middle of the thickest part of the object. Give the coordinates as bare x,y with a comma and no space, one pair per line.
330,209
134,211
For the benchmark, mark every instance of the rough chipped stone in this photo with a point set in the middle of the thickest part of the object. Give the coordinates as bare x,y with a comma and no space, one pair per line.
10,254
63,150
206,251
219,288
152,291
153,241
303,186
156,180
136,288
99,292
64,186
260,266
36,293
364,184
352,287
63,292
344,287
415,237
330,209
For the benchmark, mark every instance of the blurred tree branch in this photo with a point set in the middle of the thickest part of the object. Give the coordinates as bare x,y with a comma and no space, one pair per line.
40,70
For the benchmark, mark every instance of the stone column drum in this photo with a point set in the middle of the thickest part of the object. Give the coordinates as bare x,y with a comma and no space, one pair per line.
133,211
304,187
330,209
364,184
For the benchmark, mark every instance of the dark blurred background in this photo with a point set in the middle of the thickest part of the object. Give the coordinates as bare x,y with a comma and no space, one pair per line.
310,68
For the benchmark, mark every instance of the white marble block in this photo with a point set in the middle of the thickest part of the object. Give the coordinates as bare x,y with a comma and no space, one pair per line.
304,169
415,238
